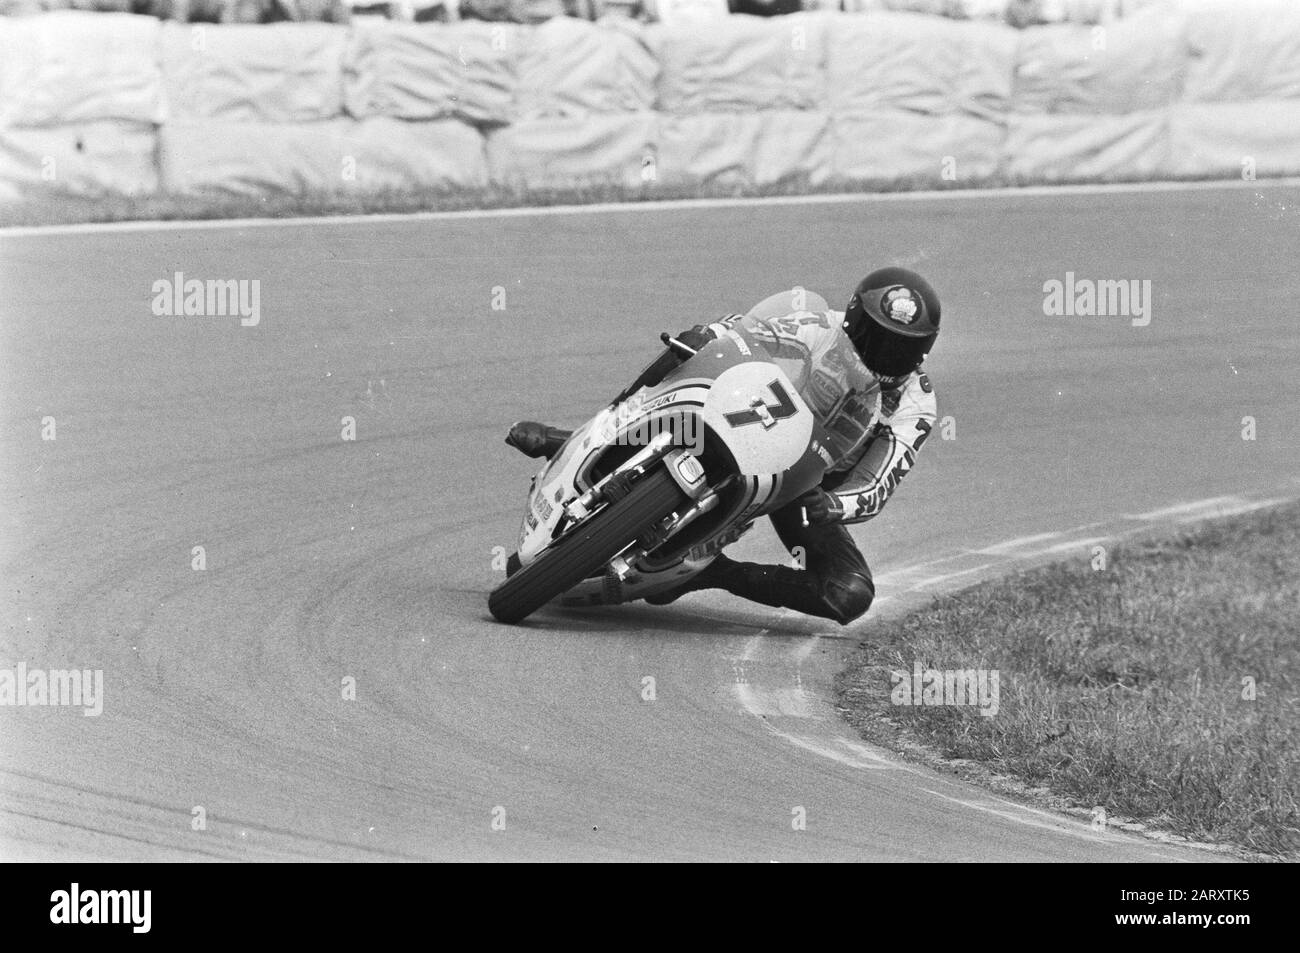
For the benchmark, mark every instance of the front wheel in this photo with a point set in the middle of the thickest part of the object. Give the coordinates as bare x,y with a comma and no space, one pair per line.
578,555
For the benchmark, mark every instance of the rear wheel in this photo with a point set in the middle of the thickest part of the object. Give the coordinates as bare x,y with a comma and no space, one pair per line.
587,548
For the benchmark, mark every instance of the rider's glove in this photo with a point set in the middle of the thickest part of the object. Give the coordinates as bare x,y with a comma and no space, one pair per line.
696,337
821,507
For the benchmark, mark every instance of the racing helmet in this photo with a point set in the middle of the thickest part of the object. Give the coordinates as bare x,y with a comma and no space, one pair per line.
893,320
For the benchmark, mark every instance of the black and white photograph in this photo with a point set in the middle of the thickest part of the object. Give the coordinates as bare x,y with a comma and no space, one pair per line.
650,431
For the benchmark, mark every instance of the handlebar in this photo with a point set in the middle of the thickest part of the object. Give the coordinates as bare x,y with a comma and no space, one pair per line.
659,368
684,350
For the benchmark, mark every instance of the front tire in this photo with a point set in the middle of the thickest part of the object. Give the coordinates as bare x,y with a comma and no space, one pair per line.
574,558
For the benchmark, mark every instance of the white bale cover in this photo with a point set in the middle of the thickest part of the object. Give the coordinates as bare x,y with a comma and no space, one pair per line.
1241,93
1080,148
752,149
1094,102
393,155
703,13
88,159
952,9
613,149
336,156
1229,139
742,63
571,67
1025,12
895,145
284,72
1241,51
465,70
983,9
71,67
926,65
1125,66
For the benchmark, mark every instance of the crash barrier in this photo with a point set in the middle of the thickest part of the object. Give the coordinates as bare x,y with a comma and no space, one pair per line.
114,103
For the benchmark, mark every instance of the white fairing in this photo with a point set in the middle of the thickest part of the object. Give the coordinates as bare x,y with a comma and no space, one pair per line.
774,442
553,485
753,406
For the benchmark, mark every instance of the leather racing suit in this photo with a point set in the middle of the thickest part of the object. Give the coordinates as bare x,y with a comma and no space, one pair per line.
871,453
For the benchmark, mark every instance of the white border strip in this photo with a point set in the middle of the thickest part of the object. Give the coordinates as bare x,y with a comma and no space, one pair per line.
676,205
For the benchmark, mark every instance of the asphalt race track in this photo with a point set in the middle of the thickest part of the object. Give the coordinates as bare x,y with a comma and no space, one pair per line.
371,559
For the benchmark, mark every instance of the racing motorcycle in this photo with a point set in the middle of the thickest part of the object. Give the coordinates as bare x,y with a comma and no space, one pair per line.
651,489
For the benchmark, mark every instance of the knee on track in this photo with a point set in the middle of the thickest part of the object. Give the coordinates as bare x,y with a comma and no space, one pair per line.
849,596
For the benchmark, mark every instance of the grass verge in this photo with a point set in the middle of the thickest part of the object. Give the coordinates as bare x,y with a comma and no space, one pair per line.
53,208
59,209
1162,688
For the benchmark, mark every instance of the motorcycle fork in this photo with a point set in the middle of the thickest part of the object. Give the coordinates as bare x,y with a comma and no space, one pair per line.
637,464
673,523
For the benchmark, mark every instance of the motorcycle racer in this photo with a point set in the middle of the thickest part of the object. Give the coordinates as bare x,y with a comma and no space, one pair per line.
834,359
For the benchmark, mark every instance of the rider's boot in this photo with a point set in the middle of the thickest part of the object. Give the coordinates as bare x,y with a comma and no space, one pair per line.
536,440
777,586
